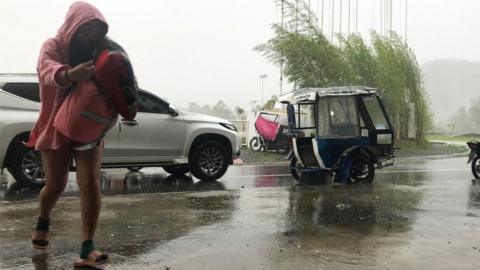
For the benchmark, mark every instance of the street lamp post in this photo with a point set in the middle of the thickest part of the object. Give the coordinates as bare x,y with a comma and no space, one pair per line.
262,77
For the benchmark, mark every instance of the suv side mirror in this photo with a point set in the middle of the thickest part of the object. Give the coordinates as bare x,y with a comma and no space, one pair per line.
172,111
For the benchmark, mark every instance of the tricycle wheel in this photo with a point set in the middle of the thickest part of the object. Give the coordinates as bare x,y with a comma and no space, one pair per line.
362,170
296,168
256,144
476,167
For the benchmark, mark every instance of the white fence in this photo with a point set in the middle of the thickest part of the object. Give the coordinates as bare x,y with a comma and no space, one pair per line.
243,130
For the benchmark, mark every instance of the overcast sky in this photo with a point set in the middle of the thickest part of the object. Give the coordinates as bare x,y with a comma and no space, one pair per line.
202,51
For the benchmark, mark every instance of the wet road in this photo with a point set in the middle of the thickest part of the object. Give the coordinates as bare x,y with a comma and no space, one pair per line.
420,214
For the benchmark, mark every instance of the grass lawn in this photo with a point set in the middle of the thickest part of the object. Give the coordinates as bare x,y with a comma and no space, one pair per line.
411,149
407,149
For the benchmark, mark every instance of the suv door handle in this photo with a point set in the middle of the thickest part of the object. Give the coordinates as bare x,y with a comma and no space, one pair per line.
129,123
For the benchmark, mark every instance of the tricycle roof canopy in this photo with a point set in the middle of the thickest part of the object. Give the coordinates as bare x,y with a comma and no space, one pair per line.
310,94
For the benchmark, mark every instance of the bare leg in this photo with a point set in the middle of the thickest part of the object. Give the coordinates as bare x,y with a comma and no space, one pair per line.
56,164
88,178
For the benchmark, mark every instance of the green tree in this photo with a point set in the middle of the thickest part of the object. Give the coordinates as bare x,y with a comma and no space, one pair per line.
360,59
389,64
473,113
240,113
270,103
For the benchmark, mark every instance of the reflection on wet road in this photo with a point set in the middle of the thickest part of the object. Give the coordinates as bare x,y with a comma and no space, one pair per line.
417,215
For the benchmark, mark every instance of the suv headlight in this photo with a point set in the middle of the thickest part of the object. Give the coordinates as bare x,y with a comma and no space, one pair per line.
229,126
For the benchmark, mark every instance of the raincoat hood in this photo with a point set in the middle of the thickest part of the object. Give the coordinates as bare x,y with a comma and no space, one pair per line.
78,14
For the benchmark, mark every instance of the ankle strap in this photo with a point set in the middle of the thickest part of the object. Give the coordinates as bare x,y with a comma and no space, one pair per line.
43,224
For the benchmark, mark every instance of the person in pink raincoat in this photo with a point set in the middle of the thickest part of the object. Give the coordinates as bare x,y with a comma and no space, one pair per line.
65,64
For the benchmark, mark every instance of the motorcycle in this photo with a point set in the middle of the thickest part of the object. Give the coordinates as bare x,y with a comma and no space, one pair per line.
474,157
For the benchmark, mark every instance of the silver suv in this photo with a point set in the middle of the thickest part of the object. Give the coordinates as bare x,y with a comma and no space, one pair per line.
160,136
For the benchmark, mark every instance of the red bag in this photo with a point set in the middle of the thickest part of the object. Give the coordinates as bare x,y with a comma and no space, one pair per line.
114,76
90,109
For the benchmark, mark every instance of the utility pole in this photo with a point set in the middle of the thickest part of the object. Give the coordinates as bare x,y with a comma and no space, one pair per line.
309,17
389,17
318,13
349,12
381,17
281,60
333,17
385,17
341,15
323,12
406,19
356,16
296,15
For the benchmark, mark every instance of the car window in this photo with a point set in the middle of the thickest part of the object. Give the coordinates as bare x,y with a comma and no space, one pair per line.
150,104
28,91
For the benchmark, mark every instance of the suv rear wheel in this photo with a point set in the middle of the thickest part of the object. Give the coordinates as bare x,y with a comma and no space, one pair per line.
209,161
26,167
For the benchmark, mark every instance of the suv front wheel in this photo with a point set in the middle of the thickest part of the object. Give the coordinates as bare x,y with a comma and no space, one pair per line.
26,167
209,161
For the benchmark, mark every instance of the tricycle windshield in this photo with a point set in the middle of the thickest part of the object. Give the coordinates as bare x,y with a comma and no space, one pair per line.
338,117
375,111
305,119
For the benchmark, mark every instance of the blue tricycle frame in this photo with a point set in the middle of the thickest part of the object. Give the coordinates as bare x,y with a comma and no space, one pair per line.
345,131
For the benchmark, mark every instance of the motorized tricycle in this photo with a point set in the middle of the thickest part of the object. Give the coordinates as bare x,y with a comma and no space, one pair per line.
271,134
344,131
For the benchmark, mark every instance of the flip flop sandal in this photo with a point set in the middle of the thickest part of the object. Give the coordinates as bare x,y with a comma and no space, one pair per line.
40,244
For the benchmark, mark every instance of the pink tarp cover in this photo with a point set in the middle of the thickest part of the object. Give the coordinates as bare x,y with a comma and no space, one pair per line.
266,128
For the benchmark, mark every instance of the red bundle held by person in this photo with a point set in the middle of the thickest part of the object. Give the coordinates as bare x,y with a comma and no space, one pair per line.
114,76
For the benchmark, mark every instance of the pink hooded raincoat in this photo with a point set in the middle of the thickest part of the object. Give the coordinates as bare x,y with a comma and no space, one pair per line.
53,58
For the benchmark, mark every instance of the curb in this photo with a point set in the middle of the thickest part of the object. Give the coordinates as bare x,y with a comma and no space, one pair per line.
279,163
